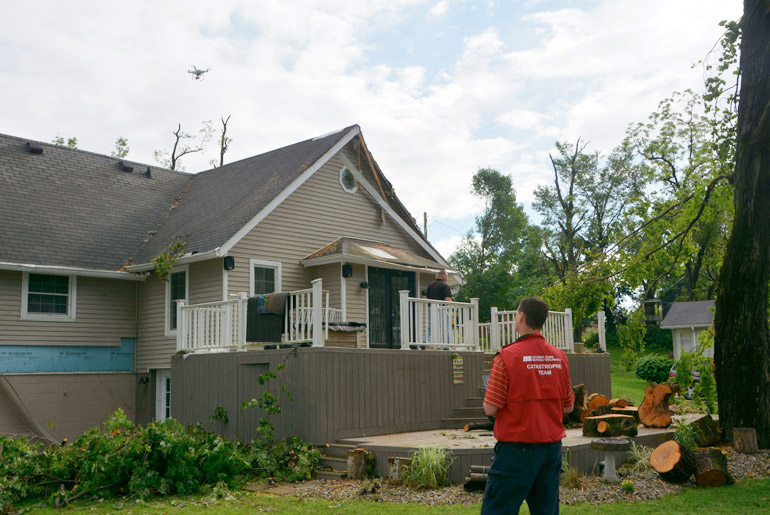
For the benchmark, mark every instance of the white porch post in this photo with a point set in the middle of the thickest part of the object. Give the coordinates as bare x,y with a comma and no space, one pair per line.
568,330
181,326
494,330
317,313
602,336
403,297
475,322
243,299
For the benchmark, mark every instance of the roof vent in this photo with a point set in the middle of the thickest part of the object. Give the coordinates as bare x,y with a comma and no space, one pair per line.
148,173
33,147
123,166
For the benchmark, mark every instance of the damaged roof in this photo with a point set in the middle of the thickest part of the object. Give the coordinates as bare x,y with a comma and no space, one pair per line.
72,208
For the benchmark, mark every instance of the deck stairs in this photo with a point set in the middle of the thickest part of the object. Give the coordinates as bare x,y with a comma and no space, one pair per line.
334,457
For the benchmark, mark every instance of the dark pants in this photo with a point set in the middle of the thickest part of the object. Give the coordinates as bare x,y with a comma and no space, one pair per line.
523,471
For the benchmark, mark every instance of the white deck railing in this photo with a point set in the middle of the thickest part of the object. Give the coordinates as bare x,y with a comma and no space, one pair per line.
306,310
434,323
501,330
213,325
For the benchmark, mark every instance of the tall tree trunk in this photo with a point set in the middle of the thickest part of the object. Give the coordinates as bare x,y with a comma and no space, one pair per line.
742,343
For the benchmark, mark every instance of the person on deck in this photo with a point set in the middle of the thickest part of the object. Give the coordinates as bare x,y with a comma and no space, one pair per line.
528,392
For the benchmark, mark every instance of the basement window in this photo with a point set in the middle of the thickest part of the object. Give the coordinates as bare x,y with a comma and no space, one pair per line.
48,297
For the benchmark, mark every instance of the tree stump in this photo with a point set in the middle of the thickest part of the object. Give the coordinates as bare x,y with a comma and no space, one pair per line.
610,425
711,468
357,467
593,401
707,433
673,462
632,411
745,440
612,447
654,412
397,466
576,415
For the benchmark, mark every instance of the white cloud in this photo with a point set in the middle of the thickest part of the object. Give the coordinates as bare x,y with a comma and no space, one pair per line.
287,71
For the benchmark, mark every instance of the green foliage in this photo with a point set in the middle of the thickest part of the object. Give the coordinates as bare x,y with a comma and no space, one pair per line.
60,142
429,468
627,486
120,459
121,148
654,369
220,414
638,459
164,262
570,477
685,434
658,340
631,337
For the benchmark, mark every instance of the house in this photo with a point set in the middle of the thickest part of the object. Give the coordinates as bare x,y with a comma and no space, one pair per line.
687,320
87,326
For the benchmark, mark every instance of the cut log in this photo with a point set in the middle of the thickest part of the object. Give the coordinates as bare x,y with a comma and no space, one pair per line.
601,410
654,412
632,411
610,425
475,485
479,469
711,468
593,401
473,426
618,403
707,433
745,440
673,462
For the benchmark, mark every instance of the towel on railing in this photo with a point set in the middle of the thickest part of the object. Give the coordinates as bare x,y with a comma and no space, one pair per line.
276,304
262,301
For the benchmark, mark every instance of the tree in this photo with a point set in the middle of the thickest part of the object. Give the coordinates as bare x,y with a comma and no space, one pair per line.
60,142
742,340
499,259
224,142
121,148
183,145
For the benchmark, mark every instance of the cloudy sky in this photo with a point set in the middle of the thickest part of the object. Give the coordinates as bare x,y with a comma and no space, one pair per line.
439,87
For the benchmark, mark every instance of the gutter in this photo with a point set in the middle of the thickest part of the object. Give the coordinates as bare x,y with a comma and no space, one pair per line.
67,270
187,258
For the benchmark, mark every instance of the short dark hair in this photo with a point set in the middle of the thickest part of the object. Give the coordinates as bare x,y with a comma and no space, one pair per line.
535,312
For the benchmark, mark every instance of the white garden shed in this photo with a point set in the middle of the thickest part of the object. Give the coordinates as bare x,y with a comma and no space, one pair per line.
687,320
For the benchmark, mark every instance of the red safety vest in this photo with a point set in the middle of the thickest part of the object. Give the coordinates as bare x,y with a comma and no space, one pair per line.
538,386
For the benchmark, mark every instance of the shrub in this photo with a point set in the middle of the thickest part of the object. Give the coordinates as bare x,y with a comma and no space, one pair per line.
627,486
653,368
429,468
685,434
659,340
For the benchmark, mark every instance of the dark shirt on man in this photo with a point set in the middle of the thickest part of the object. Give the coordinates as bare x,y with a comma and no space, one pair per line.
438,290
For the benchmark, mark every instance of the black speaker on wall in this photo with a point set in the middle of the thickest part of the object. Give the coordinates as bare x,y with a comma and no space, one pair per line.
347,270
229,262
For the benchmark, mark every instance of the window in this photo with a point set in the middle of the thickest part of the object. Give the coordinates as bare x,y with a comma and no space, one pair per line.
48,297
177,288
265,277
348,181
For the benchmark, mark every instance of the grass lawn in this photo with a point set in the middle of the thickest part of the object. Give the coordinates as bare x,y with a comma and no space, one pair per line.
624,384
750,496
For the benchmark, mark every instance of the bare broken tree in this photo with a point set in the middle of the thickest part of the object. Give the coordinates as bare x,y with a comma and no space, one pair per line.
224,142
182,148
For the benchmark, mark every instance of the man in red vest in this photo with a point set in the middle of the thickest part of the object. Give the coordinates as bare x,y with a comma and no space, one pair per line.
528,392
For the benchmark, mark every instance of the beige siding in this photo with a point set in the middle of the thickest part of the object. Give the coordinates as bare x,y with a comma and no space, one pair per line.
356,298
332,277
313,216
154,348
66,405
105,312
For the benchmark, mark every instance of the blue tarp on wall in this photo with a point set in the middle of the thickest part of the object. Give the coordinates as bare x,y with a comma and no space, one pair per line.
29,359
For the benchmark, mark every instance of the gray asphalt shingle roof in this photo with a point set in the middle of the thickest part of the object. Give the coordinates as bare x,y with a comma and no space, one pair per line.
68,207
696,313
73,208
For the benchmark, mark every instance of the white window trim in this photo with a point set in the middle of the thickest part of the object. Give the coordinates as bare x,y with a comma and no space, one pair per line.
161,374
186,270
354,189
264,264
49,317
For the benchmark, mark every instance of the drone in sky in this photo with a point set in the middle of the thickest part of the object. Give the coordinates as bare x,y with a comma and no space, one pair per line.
196,73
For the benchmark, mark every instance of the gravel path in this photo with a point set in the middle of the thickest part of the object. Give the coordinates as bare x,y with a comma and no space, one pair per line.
647,486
